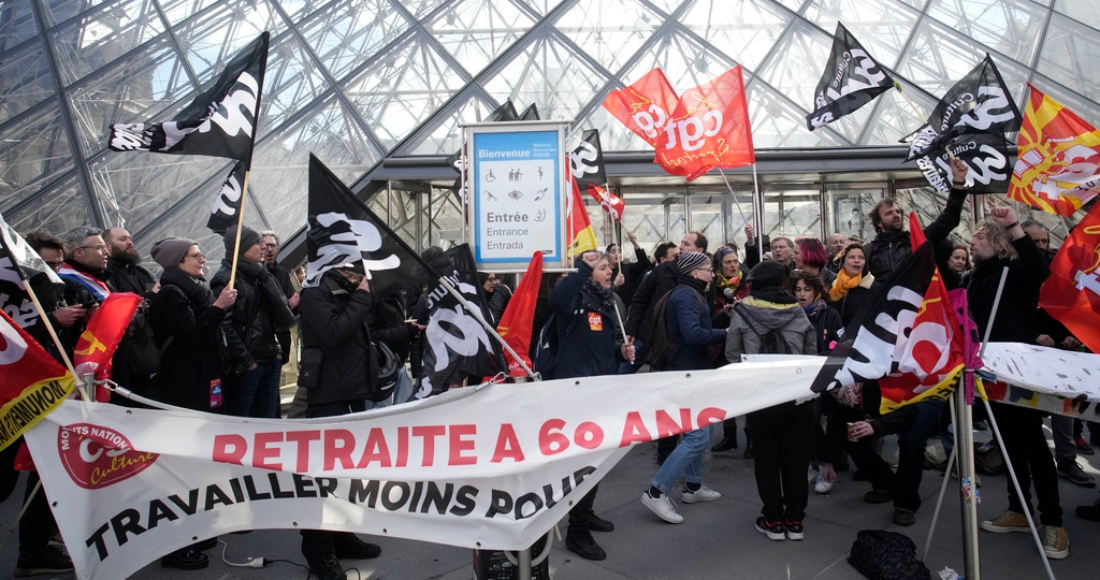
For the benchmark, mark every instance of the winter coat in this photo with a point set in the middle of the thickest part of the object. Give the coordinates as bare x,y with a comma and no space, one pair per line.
633,273
855,299
641,318
1015,320
764,316
888,249
260,311
282,336
135,278
336,323
587,342
183,312
689,328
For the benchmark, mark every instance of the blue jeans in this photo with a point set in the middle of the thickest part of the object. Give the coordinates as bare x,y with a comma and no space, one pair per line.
687,459
256,393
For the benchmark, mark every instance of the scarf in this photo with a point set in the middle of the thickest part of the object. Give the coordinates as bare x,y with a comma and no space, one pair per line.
86,279
197,290
601,294
732,283
814,309
843,284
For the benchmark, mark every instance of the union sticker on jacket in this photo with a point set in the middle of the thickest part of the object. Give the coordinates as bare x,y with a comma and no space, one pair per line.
595,321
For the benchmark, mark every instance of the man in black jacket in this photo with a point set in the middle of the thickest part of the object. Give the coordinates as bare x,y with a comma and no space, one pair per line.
127,274
892,244
269,242
336,319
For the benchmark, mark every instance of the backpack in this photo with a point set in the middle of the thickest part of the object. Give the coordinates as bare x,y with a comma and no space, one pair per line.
660,347
137,346
545,361
771,341
882,555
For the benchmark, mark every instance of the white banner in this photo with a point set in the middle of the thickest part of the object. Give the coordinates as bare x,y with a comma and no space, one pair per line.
1048,379
493,467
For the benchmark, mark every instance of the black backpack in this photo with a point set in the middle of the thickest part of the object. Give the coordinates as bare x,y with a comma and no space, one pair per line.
771,341
546,350
882,555
660,347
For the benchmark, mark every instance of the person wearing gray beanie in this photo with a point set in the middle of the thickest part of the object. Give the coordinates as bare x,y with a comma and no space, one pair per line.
169,252
689,261
249,238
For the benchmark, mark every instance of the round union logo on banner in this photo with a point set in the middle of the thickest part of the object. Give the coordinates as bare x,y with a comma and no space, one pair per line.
96,457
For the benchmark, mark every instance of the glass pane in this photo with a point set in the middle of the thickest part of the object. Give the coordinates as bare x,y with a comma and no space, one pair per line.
349,32
296,10
882,28
25,80
1087,109
939,57
645,216
685,62
446,138
549,74
292,81
1069,55
745,30
212,41
96,39
179,10
138,187
928,204
445,211
614,136
16,23
135,90
669,6
778,123
62,208
58,11
477,31
918,4
280,167
610,31
398,92
895,117
1083,11
707,216
1011,27
33,153
848,210
543,7
421,8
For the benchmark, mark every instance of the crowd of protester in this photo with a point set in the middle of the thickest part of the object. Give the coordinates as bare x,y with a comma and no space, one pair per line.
223,346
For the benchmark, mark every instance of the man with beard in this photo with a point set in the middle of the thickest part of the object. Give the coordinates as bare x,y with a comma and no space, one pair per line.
127,274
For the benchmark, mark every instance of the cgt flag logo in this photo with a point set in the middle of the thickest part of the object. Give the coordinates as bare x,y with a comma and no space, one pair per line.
96,457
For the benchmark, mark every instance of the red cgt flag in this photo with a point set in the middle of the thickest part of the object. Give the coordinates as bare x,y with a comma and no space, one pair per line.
33,384
645,106
97,344
1072,292
932,356
709,128
517,323
610,202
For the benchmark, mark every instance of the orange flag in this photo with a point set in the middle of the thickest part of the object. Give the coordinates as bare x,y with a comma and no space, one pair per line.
580,227
1072,292
931,357
1058,158
32,383
645,106
709,128
98,342
516,325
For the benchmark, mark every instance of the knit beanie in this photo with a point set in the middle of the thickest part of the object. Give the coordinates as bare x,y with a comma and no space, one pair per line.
249,238
767,274
169,252
689,261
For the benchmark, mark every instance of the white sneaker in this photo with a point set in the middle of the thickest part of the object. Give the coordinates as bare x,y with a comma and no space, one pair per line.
812,474
704,493
663,507
822,487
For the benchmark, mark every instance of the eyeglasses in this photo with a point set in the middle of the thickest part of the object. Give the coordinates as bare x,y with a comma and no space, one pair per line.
271,245
196,255
54,265
97,247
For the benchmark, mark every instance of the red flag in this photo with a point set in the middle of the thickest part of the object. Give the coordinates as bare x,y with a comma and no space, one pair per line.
516,325
709,128
98,342
33,383
932,356
580,227
610,202
645,106
1072,292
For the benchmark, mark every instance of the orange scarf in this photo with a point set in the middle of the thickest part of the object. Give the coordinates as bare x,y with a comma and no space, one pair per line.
843,284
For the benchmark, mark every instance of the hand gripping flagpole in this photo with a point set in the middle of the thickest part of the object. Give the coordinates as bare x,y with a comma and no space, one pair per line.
480,318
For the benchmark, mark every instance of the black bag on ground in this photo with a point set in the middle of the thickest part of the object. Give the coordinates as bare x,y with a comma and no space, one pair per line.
988,459
882,555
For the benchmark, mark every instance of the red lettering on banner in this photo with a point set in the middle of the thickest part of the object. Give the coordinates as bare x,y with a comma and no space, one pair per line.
589,435
302,439
375,450
222,445
507,445
552,443
265,451
429,433
667,427
402,447
459,445
634,431
710,416
338,446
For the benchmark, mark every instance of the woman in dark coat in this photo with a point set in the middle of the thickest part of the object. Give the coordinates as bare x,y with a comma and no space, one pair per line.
587,346
187,325
853,282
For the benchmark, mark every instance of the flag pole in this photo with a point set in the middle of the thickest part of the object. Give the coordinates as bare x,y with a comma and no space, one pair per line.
964,447
477,314
736,203
758,207
240,226
916,110
946,479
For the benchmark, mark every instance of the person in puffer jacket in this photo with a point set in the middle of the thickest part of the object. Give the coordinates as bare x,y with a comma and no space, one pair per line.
781,434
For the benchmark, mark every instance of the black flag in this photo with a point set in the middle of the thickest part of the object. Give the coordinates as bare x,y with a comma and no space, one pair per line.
851,79
984,154
586,161
220,122
505,112
228,203
340,229
458,344
866,351
18,265
976,104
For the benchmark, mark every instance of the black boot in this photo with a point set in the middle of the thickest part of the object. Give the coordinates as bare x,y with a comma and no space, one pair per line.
728,443
582,544
185,559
